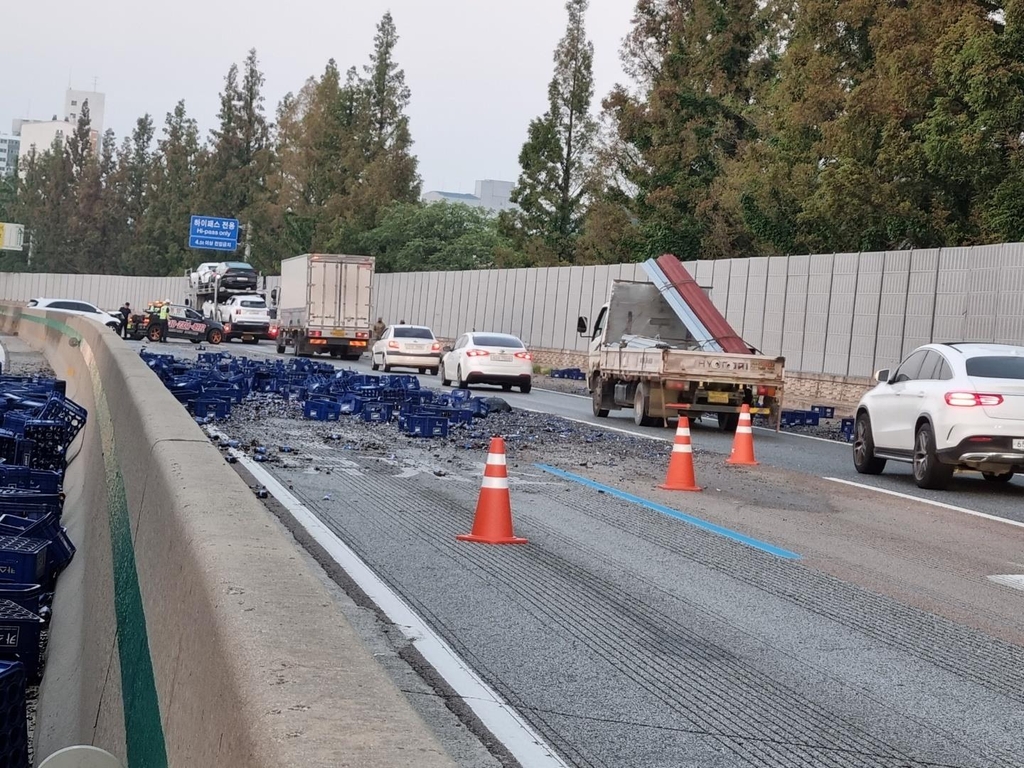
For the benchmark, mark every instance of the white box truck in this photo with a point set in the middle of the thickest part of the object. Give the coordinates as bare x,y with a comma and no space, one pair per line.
323,305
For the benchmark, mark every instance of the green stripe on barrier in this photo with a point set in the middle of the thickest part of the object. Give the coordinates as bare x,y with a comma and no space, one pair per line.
144,734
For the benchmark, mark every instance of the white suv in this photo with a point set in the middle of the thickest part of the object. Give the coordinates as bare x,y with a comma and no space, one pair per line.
947,406
76,307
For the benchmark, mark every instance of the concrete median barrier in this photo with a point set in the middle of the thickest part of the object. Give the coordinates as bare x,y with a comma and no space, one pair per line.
189,630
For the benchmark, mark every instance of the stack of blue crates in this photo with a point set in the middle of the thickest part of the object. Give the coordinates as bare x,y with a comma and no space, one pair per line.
39,425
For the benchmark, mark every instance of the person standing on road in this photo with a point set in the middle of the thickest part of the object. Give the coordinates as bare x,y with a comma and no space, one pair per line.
126,311
379,328
165,314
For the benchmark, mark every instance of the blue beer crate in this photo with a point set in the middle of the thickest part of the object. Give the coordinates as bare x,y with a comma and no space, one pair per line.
846,429
378,413
30,503
19,636
825,411
321,410
23,560
792,418
31,597
810,418
217,407
13,715
426,425
47,528
350,405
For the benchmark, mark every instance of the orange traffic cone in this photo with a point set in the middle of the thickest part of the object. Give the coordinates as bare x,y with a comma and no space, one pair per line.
493,521
680,475
743,443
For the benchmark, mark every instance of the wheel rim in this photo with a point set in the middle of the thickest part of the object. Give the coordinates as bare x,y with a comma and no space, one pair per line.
216,337
921,454
860,448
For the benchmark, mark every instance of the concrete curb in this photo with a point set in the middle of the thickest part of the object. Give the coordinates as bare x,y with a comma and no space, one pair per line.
231,650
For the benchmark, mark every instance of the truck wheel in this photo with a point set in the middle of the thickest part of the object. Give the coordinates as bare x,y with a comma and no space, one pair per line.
387,368
374,365
727,422
280,345
597,397
640,417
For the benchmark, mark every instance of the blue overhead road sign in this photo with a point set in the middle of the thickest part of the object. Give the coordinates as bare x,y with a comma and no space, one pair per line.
212,234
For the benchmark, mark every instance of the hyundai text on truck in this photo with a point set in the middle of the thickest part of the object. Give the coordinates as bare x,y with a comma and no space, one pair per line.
644,354
323,305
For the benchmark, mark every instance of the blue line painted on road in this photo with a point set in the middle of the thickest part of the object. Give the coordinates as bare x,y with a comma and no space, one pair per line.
695,521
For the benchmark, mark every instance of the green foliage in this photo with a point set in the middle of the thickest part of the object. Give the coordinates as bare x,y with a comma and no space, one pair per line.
552,187
416,238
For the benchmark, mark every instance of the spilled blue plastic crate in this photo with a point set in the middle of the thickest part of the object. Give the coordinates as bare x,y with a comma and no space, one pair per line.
321,410
47,528
825,411
205,407
377,413
846,429
30,503
19,637
23,560
13,715
568,373
425,425
31,597
350,405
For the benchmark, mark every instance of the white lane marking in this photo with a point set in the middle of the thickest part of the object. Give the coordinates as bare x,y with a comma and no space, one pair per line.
507,725
805,437
939,504
559,392
1014,581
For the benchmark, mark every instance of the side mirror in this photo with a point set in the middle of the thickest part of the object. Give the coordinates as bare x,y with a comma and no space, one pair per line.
188,302
882,376
446,349
273,295
581,326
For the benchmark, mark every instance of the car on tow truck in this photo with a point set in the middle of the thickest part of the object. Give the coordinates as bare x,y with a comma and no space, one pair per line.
245,316
183,323
946,407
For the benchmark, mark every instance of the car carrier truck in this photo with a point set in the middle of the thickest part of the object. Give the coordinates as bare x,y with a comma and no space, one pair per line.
323,305
650,351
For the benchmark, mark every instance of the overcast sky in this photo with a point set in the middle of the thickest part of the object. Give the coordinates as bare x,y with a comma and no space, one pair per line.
478,69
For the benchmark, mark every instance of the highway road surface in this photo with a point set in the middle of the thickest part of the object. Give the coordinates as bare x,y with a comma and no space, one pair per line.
780,618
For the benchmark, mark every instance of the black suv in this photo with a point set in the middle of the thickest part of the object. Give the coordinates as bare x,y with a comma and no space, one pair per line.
236,277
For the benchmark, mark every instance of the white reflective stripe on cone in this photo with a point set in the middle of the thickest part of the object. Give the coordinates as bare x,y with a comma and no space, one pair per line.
495,459
744,430
685,432
681,448
500,483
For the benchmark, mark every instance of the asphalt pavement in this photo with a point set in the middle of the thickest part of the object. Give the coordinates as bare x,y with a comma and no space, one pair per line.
799,453
865,632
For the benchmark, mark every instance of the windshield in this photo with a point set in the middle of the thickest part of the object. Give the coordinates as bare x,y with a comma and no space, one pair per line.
996,367
254,303
236,265
497,340
409,332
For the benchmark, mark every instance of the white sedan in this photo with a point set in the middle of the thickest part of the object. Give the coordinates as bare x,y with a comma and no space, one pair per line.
407,346
488,358
76,307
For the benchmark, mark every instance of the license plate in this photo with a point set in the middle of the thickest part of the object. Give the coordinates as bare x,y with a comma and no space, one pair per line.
718,398
502,358
1018,445
416,348
338,333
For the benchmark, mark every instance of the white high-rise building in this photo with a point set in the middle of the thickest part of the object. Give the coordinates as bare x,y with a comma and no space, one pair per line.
73,101
8,153
40,134
490,194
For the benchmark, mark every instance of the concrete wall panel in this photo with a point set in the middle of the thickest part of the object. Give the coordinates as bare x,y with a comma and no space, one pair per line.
892,310
793,321
986,286
952,287
1010,312
819,294
840,320
737,304
753,313
720,279
774,306
921,299
865,314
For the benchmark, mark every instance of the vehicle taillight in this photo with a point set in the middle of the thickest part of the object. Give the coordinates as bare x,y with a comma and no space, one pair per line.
477,353
435,347
238,311
362,335
315,333
524,355
972,399
392,345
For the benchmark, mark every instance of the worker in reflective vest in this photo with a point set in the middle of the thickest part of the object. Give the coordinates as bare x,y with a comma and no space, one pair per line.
165,314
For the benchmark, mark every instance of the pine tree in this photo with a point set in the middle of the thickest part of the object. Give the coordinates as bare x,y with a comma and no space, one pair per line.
79,144
551,188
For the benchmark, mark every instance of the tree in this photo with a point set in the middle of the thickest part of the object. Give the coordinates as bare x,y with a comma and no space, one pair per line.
413,237
551,189
374,110
175,172
79,144
132,182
